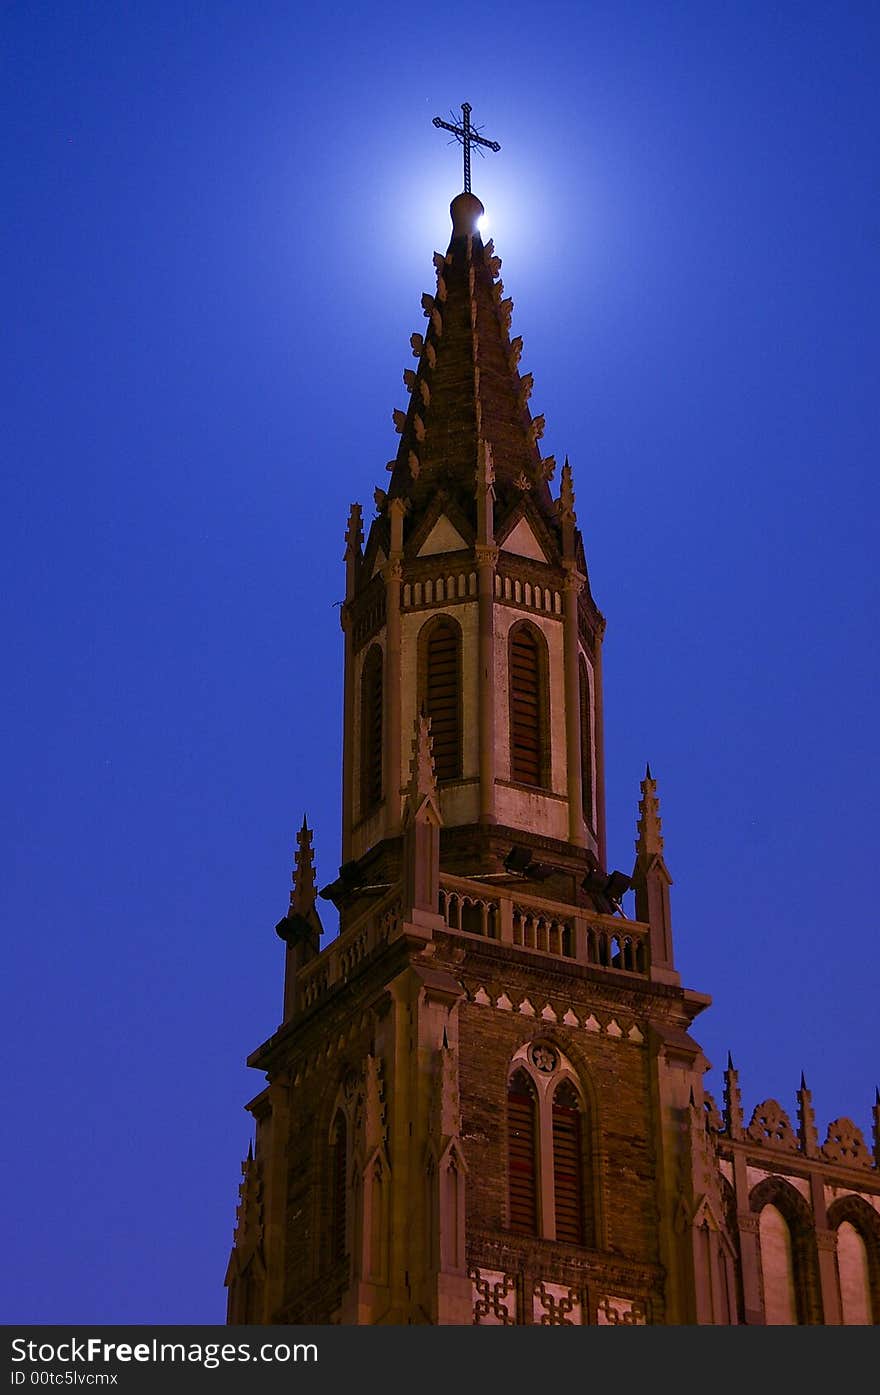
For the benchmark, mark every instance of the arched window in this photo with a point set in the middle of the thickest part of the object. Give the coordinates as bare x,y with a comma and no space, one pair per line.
371,730
338,1188
858,1259
777,1269
529,718
441,695
854,1276
567,1164
521,1154
548,1136
789,1255
586,745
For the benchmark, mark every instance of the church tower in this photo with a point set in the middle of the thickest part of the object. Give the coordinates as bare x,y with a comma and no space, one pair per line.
483,1103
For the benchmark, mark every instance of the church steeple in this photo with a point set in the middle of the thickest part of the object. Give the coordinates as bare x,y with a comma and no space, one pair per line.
467,389
471,600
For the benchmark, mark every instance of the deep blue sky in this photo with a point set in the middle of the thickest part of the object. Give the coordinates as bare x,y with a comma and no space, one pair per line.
219,221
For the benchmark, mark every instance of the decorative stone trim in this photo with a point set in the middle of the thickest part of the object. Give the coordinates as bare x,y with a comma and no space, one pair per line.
556,1305
548,1013
495,1298
612,1311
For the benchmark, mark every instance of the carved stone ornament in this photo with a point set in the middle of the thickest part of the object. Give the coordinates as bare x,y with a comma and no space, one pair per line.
845,1144
620,1312
556,1305
494,1297
714,1122
770,1124
543,1058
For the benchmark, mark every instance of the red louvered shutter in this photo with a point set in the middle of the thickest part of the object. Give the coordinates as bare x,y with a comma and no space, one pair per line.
371,730
567,1163
525,709
338,1183
442,699
521,1141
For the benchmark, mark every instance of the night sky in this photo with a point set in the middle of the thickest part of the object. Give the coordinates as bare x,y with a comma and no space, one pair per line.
219,222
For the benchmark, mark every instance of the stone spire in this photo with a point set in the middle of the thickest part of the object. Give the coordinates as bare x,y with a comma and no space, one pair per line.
301,928
565,512
354,536
651,880
733,1112
807,1132
467,389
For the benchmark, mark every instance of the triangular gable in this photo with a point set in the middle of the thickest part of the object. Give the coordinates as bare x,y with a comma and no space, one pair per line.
381,559
521,540
443,537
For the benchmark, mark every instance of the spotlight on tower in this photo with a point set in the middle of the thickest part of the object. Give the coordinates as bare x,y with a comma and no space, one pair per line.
520,860
605,889
349,879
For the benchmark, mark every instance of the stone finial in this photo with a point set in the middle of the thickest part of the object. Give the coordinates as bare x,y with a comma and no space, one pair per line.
733,1111
649,842
422,780
301,928
566,515
485,466
565,503
354,533
304,891
421,830
806,1115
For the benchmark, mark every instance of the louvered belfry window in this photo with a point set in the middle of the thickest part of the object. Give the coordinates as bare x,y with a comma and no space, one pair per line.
527,716
521,1154
567,1165
586,745
371,730
442,704
338,1184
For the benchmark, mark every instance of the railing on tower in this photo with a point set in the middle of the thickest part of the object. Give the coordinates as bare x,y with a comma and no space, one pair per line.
491,913
548,927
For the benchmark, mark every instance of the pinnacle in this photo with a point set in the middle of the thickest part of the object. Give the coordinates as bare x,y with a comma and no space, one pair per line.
730,1065
422,783
467,390
302,897
649,842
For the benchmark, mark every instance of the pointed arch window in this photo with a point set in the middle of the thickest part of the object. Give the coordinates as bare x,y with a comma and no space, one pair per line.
550,1188
338,1188
529,707
441,695
568,1192
586,744
522,1154
371,730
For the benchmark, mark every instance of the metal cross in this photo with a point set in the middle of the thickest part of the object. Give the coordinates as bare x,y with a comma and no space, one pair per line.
466,136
